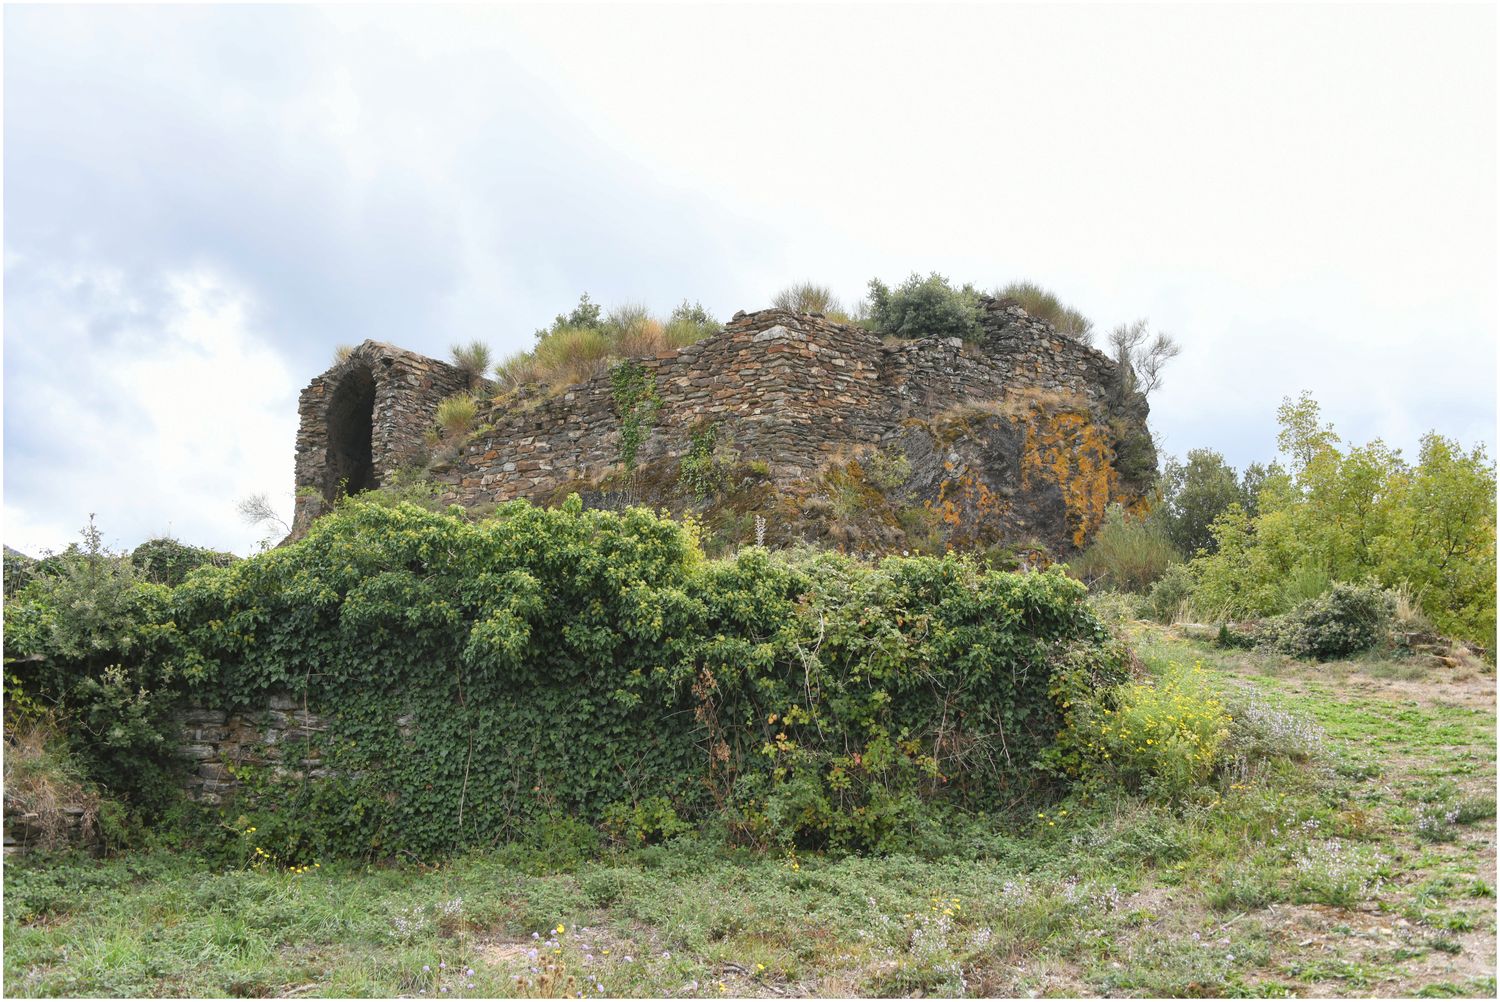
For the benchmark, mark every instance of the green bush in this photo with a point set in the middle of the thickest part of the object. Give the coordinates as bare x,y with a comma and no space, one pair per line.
1170,596
479,677
1347,620
1127,553
1163,737
88,636
167,561
924,307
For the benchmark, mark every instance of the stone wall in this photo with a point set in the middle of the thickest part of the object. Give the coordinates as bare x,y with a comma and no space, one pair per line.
215,742
792,390
362,420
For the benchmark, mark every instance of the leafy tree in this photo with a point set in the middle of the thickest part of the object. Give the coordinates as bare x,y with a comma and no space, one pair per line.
924,307
1193,495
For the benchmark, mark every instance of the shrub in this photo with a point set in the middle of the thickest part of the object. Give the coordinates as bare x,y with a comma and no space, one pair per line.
1043,305
167,561
1128,553
456,414
585,316
1170,599
700,472
806,297
92,639
1347,620
688,324
924,307
1162,737
472,359
549,663
887,470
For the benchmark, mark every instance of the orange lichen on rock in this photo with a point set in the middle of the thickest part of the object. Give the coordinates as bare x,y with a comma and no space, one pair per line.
1076,453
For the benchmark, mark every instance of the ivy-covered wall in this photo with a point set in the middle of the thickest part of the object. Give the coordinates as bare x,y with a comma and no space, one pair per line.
443,683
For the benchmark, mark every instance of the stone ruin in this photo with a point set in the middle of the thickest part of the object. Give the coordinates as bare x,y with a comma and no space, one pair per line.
1022,425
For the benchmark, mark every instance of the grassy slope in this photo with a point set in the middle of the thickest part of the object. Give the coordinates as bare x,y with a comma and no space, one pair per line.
1312,879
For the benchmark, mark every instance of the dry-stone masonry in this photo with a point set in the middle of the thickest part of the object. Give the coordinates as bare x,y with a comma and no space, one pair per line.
792,391
364,419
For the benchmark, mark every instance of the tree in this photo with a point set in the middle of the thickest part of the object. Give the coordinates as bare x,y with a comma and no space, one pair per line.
586,315
1141,356
1194,494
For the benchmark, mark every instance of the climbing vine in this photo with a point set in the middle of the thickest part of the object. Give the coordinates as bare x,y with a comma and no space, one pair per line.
477,679
636,404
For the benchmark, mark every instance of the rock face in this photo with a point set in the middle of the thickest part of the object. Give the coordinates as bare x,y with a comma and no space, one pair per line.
1023,429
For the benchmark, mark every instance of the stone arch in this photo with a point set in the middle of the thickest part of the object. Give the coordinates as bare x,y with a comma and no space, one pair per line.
351,428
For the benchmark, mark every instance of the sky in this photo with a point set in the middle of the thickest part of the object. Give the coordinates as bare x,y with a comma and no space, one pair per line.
201,203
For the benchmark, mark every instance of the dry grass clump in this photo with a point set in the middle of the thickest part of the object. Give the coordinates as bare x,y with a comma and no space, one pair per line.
46,802
1044,305
806,297
456,414
568,354
472,359
341,353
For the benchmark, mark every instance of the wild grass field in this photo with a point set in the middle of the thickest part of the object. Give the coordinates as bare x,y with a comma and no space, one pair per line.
1356,858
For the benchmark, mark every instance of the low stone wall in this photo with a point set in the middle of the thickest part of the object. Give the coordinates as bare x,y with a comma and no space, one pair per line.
215,742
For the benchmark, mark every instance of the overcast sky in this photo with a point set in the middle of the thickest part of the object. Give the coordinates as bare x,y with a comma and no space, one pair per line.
201,203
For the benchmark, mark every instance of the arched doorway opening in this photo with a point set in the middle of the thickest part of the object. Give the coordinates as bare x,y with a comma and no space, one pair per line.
351,423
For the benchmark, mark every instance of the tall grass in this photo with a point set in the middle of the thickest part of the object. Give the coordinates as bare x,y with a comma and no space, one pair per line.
1127,553
1044,305
456,414
472,359
568,355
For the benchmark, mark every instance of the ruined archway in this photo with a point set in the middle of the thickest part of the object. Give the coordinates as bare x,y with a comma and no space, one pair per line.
351,425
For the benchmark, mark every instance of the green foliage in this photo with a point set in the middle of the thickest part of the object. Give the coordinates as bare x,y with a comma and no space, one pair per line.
1354,513
585,343
924,307
806,297
1193,495
1044,305
652,821
887,470
700,472
87,637
1127,553
19,569
585,316
1171,595
688,324
167,561
1347,620
478,677
636,404
1162,737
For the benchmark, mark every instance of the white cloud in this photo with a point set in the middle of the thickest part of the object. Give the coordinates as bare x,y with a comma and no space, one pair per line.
158,428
